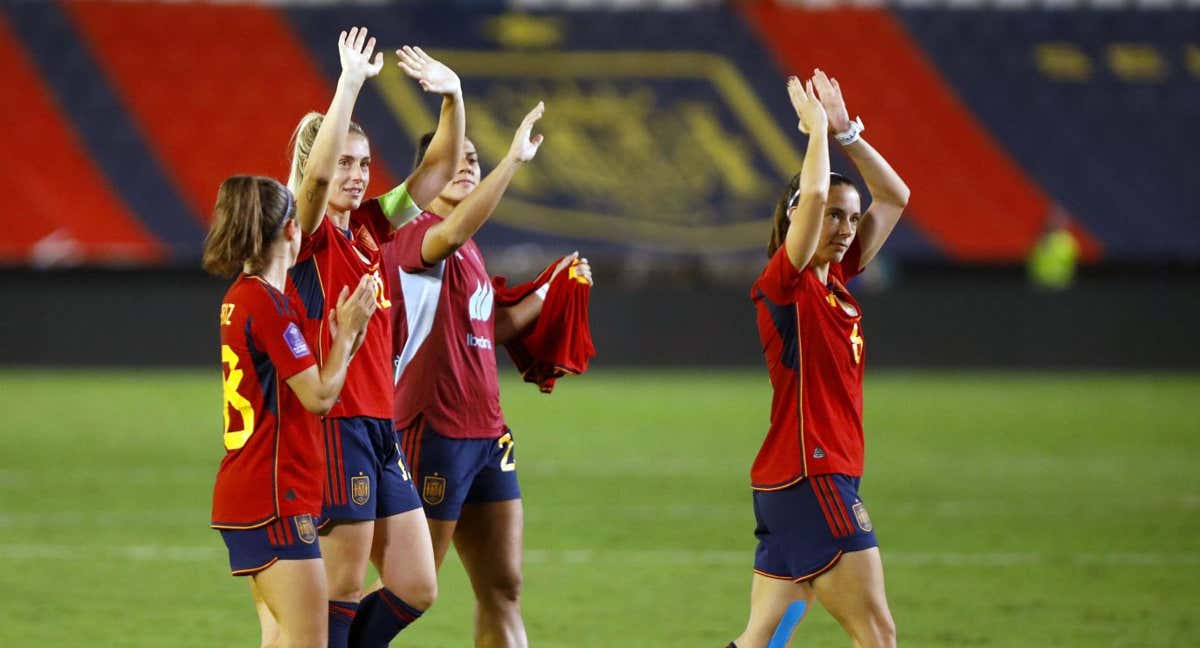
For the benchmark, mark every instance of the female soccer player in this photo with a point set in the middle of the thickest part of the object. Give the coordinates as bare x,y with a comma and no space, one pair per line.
447,394
372,510
815,537
267,498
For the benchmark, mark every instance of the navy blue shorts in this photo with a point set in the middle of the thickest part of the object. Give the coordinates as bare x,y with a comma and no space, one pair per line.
366,477
253,550
452,472
804,529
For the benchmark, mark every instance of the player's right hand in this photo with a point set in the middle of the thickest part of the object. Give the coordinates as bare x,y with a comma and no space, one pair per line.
354,310
355,51
807,105
523,146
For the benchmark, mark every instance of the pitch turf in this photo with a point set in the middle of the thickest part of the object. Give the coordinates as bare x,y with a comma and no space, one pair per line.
1013,510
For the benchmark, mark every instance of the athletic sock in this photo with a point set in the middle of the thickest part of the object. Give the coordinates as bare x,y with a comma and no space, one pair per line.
341,616
381,616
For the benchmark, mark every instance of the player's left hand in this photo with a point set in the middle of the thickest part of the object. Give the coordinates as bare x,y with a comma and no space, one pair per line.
830,94
431,74
579,268
355,50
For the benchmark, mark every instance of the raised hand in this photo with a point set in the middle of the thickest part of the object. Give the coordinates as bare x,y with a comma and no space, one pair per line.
830,95
431,74
355,51
808,108
523,146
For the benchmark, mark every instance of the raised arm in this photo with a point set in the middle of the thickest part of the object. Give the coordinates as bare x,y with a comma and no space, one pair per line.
318,389
807,207
312,194
443,239
445,150
889,194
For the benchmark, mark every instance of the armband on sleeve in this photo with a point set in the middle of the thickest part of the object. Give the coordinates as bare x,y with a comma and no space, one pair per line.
399,206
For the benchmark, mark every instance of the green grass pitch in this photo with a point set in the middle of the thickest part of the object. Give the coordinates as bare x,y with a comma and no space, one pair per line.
1012,510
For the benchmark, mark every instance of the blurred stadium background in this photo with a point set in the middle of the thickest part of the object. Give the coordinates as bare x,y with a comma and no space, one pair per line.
1032,443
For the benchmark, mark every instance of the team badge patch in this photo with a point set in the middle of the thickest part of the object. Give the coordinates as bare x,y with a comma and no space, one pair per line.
295,341
818,453
360,489
860,515
306,529
433,490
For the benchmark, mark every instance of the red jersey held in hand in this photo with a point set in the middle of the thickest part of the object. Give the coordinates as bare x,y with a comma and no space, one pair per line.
812,340
330,259
274,459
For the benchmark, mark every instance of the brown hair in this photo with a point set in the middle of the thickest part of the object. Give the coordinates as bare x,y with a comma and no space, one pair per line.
300,145
779,220
249,214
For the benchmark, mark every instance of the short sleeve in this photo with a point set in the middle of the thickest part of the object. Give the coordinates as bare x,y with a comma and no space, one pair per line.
281,335
780,280
406,243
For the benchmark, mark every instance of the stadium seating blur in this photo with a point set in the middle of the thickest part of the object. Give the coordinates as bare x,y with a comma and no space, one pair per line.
994,117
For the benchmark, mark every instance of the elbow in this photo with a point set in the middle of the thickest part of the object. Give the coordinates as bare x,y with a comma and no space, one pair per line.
902,196
320,405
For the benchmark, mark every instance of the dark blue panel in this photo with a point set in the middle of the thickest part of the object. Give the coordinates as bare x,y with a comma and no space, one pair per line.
718,31
1119,154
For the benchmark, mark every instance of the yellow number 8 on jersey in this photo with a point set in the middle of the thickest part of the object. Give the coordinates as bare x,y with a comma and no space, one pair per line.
235,439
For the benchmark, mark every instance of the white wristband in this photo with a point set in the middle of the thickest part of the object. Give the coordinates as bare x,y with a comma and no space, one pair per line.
850,135
541,292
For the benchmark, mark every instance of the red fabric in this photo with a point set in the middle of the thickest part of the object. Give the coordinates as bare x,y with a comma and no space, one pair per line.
340,262
277,472
815,357
560,341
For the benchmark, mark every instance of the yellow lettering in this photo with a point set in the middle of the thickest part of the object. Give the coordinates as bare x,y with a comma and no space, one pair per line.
1136,62
1063,61
227,314
235,439
1191,58
506,462
856,343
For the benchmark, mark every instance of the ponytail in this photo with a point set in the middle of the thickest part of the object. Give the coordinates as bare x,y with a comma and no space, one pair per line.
247,218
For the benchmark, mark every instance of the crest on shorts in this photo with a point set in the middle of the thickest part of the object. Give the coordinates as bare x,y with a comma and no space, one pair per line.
360,489
306,528
860,515
433,490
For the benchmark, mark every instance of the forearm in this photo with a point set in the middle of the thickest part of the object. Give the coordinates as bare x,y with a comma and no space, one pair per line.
333,372
512,321
460,225
805,229
884,184
322,158
445,150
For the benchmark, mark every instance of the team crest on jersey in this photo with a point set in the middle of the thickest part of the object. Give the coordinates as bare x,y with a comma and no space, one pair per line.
433,490
818,453
860,515
360,489
306,529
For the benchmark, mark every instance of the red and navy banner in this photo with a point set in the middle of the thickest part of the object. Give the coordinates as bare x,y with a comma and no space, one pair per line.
666,132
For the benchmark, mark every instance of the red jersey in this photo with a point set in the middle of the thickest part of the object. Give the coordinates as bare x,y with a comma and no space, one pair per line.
329,259
444,337
274,460
812,340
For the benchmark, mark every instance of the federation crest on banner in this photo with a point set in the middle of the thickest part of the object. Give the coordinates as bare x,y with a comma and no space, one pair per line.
860,515
360,489
306,529
682,132
433,490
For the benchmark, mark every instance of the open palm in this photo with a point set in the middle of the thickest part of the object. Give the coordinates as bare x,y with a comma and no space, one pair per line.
430,73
